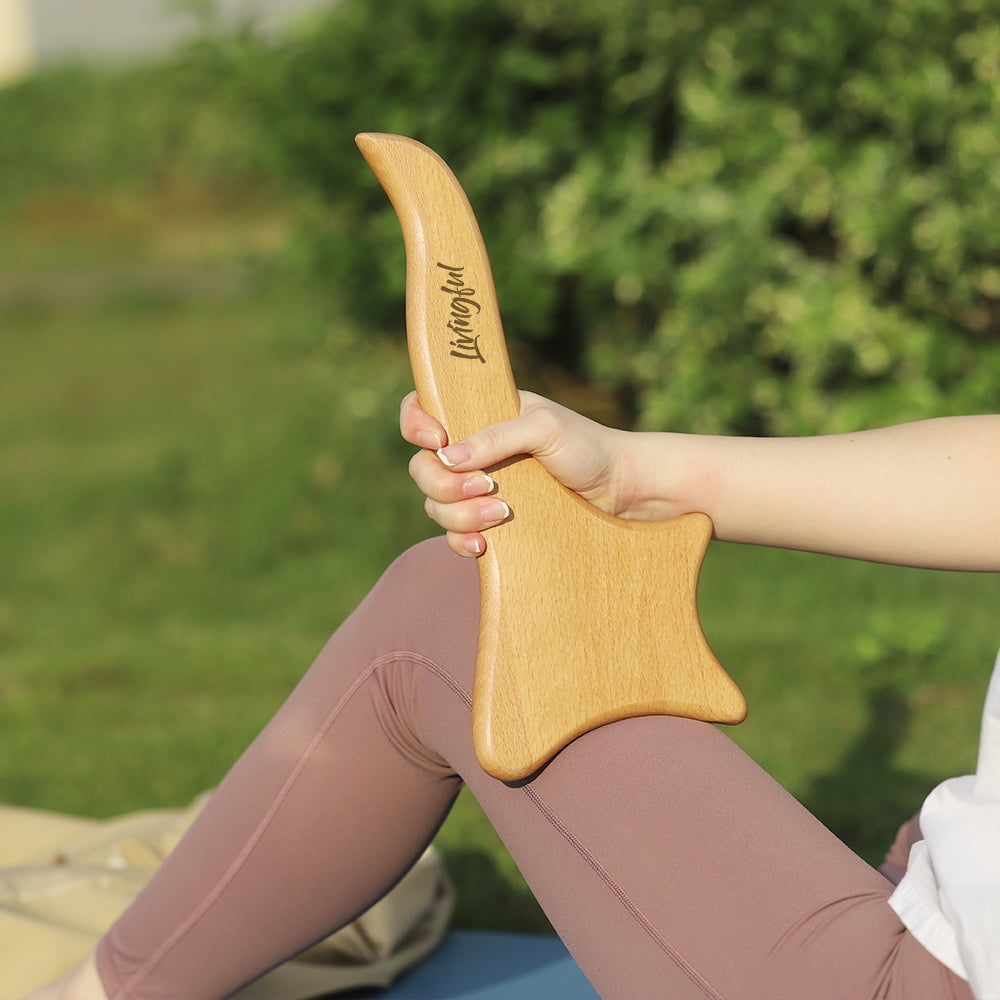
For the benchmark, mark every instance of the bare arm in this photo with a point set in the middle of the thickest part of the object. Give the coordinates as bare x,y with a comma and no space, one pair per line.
920,494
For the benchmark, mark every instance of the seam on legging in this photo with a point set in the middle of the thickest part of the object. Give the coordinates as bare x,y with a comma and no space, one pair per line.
441,673
254,839
412,743
634,911
588,856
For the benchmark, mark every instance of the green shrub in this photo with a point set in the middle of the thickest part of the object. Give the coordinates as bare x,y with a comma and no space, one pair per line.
755,216
759,216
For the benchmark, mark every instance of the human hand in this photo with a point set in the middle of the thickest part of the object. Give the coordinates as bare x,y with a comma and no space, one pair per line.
584,456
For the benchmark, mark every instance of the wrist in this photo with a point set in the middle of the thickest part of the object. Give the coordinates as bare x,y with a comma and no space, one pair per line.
664,475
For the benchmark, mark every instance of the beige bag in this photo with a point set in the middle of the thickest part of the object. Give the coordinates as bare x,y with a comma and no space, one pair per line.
64,880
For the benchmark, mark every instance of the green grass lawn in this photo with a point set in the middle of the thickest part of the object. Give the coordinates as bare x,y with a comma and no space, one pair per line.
198,482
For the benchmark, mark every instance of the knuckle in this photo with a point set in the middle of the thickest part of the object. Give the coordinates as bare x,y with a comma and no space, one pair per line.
491,440
547,424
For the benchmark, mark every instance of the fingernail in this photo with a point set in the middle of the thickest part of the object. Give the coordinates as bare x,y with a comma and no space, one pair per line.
479,486
495,512
430,440
455,454
473,546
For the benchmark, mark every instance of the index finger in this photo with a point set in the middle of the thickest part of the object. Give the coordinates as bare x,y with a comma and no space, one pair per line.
418,427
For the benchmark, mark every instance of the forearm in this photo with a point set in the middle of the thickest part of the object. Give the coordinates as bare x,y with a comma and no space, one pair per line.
920,494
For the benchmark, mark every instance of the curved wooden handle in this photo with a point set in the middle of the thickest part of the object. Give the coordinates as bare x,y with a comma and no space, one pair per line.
585,618
455,338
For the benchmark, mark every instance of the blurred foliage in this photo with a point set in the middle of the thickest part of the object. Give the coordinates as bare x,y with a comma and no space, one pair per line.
753,217
759,216
80,130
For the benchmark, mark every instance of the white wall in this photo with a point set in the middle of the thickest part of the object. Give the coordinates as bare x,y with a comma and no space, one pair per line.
17,43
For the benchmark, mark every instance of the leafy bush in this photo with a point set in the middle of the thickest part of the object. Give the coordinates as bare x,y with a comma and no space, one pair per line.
757,216
752,216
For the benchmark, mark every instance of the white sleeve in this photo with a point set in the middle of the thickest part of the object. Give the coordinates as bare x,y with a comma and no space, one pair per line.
950,896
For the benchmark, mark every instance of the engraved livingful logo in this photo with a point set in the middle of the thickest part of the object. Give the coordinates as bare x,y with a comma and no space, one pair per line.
463,308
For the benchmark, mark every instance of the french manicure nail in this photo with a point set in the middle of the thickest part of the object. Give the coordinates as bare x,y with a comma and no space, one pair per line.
455,454
430,440
478,486
496,512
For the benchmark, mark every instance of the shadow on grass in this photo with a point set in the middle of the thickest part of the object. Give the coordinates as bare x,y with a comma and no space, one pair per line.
866,798
486,898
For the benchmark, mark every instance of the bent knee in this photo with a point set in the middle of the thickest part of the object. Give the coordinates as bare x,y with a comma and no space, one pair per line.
431,572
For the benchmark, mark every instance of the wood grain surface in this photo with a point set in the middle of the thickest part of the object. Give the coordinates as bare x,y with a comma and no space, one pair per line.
585,618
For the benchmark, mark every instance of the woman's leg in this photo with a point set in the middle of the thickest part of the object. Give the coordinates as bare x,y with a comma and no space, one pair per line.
671,865
322,814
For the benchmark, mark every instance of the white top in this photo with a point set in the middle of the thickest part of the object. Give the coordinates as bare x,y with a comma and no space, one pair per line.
949,898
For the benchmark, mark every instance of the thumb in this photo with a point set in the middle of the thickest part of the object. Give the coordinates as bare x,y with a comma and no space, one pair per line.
526,434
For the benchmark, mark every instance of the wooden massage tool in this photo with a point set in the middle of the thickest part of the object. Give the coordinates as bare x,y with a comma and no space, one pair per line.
585,618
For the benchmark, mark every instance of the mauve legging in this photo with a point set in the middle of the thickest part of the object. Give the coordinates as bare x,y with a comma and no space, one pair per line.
670,864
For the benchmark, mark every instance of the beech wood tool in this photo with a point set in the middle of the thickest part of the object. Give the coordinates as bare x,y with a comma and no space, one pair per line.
585,618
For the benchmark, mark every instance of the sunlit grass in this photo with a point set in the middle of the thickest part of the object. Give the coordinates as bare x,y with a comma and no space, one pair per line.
187,506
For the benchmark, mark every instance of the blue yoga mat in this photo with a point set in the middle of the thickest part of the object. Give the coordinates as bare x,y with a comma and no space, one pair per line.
476,965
